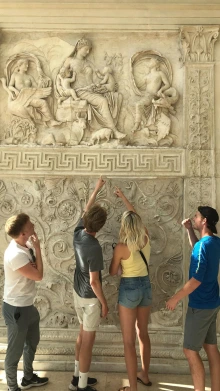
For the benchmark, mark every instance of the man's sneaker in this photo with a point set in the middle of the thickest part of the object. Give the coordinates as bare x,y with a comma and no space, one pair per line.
35,381
74,383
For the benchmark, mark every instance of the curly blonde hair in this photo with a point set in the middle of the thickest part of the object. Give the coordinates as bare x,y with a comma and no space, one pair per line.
132,231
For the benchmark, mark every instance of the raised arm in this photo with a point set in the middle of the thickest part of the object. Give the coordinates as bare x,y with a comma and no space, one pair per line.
191,234
127,203
121,195
100,183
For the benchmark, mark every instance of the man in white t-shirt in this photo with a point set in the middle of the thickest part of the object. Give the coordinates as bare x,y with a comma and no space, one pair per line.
22,267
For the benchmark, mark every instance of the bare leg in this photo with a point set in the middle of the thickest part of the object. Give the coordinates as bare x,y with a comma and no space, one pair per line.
214,365
196,368
74,96
78,343
85,354
127,320
143,314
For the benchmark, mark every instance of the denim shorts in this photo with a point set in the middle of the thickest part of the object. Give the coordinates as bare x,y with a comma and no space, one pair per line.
135,292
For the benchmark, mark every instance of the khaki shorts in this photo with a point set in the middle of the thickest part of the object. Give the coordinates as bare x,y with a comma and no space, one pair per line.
200,328
88,312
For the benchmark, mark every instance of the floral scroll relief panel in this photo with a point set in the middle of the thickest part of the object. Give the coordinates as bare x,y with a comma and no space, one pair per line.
90,93
55,206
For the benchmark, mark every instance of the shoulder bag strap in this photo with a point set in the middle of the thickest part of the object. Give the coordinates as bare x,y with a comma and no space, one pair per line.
145,261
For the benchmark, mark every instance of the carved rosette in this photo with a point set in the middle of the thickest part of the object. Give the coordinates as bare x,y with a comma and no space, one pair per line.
55,206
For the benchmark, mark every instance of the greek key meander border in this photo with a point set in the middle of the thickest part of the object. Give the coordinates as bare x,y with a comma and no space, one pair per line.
120,162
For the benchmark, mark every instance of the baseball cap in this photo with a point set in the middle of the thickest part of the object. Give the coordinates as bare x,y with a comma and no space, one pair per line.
211,216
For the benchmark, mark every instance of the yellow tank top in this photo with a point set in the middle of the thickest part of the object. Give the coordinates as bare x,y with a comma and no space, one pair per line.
134,266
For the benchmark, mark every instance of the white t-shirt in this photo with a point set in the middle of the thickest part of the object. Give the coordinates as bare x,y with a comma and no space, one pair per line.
19,291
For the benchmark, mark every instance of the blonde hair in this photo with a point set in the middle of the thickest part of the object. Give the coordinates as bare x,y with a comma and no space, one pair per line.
132,231
15,224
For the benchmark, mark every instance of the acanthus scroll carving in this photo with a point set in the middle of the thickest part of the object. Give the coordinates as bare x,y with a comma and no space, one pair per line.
55,206
199,106
197,43
199,192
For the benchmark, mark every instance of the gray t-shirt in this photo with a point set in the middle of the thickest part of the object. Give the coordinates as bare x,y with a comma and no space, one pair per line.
88,254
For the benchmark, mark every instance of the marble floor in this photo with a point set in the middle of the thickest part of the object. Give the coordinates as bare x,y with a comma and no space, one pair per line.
59,381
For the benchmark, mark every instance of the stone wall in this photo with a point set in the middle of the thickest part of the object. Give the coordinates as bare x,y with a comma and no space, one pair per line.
135,105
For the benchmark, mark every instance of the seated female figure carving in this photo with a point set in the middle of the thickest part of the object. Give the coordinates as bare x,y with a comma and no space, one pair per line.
26,98
104,108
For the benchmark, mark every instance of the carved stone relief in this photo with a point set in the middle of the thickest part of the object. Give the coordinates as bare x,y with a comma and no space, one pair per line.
197,43
102,162
77,101
199,106
73,107
55,206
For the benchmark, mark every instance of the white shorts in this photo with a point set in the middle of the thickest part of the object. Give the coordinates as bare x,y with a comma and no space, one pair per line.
88,312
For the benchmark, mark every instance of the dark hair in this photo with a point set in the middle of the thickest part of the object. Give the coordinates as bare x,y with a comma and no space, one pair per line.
95,218
15,224
211,215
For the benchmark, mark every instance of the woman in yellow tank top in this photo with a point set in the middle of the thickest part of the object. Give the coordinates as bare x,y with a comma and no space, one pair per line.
130,259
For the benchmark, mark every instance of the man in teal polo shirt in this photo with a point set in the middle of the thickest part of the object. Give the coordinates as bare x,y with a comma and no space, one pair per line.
204,300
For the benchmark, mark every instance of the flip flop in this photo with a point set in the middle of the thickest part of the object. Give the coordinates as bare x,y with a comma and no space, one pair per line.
123,388
144,384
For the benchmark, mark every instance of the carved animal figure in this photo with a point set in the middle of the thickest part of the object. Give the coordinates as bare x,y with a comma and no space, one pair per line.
77,131
102,134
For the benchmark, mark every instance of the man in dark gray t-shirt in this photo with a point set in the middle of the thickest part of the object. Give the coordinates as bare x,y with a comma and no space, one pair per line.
88,253
89,300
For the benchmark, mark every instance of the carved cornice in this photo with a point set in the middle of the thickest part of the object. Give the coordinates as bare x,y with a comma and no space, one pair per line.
104,15
197,43
121,162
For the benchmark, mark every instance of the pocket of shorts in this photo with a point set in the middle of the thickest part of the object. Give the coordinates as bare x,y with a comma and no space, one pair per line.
132,294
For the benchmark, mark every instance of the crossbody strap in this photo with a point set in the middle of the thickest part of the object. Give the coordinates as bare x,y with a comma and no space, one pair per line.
145,261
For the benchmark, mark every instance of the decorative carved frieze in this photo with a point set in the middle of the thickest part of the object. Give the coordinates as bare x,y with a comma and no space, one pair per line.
55,206
199,105
200,163
121,162
197,43
199,191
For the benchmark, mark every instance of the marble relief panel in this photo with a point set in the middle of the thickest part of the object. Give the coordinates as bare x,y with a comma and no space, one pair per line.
102,91
55,205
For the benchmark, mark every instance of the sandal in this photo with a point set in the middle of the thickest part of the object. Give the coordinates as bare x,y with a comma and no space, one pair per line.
142,382
123,388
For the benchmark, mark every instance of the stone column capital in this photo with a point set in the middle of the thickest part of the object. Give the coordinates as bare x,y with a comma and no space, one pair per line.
197,43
